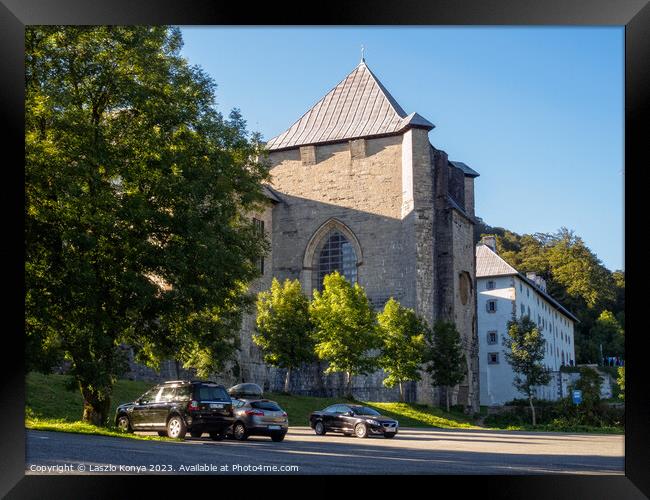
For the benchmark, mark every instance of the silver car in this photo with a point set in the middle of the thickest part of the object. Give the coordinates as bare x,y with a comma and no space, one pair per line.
258,417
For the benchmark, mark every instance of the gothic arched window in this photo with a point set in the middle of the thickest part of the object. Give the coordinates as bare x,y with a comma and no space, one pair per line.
335,254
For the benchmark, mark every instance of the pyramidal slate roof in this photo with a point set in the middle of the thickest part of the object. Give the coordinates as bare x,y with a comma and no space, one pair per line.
489,263
359,106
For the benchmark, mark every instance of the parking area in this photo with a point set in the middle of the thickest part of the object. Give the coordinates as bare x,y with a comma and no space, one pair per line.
413,451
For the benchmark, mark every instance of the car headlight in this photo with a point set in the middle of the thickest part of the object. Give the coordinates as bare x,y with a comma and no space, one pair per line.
373,422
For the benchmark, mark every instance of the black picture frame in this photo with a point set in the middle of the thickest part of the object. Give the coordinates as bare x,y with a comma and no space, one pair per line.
633,14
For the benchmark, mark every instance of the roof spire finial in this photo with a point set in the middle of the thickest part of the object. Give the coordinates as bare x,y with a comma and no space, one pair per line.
363,49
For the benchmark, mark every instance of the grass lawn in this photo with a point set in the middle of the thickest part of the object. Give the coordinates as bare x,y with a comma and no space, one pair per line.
47,396
408,414
50,405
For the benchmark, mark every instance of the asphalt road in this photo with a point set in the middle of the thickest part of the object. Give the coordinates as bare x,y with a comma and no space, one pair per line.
412,451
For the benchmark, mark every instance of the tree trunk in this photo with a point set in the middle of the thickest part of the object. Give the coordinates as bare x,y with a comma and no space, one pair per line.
532,409
95,407
401,392
287,380
348,385
447,391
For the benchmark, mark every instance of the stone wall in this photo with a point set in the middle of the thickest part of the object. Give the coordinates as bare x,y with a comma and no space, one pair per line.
464,258
389,195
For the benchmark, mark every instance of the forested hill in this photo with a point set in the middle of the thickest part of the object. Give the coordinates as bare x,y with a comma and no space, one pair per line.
577,279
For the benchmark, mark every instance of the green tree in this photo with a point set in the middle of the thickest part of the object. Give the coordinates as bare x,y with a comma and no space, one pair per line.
589,383
574,274
402,334
446,360
345,329
136,191
621,381
525,352
606,332
284,327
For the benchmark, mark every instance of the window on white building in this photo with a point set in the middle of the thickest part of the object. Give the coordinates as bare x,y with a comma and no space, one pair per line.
491,306
492,337
491,285
493,358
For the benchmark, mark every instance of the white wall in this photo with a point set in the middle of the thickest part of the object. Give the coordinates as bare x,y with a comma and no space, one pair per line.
510,294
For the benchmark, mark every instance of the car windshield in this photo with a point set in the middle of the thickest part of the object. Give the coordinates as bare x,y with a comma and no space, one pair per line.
212,393
364,410
266,405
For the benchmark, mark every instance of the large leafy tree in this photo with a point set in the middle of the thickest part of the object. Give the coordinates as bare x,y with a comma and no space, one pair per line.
135,195
284,327
608,334
525,349
446,360
402,350
345,330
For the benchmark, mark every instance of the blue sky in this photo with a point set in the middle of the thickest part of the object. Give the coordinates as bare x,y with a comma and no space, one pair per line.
538,112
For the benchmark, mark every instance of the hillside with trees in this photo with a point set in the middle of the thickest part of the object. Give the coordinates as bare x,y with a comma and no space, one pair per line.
577,279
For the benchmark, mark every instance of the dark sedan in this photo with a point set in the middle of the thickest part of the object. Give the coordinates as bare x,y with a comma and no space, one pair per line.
352,419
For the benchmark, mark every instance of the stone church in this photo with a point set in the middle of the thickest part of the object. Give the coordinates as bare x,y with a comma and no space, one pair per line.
358,187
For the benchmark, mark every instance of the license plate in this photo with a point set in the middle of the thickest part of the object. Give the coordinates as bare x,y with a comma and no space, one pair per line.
275,427
215,405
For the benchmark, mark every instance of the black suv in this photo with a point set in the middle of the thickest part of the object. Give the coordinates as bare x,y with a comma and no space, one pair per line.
176,407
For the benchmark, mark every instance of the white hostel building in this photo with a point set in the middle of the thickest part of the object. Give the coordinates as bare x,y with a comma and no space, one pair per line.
504,293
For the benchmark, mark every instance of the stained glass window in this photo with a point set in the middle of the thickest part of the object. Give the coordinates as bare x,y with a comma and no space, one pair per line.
336,254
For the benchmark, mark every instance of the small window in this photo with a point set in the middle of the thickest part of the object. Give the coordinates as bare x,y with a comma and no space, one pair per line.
491,285
527,292
493,358
211,392
523,309
529,311
491,306
266,405
492,337
166,395
183,393
150,395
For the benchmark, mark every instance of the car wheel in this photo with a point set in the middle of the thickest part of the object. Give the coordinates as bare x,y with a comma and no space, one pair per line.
389,435
196,434
277,437
162,433
361,431
176,428
124,424
217,436
319,428
239,431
